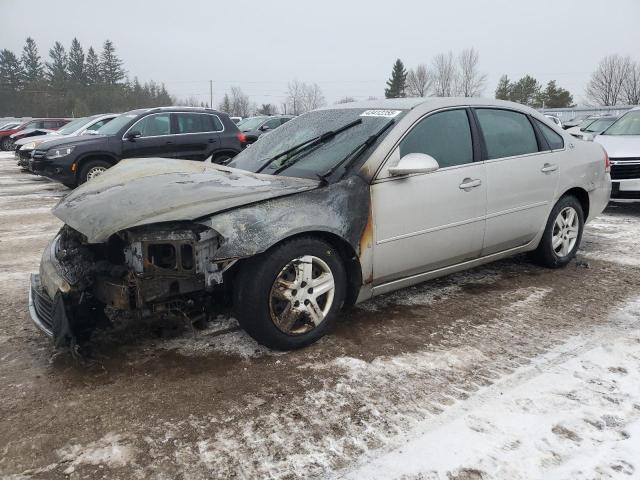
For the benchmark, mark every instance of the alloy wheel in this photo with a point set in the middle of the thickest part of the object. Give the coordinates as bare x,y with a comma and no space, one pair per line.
565,231
94,172
302,295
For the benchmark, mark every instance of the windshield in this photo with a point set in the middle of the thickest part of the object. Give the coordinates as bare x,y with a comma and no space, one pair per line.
321,158
116,124
628,124
249,124
585,123
71,127
599,125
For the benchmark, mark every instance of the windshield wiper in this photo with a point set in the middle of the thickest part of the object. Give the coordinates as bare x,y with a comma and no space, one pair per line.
353,155
307,145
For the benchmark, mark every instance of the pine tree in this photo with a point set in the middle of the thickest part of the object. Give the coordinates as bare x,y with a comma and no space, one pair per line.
556,97
31,62
225,105
76,64
57,69
526,91
11,72
92,68
503,91
398,81
110,64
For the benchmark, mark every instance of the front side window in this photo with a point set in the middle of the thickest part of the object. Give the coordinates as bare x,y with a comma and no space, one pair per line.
154,125
195,123
628,124
554,140
446,136
271,124
506,133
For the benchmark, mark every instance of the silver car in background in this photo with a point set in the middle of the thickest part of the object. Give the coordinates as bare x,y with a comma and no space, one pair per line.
332,208
622,142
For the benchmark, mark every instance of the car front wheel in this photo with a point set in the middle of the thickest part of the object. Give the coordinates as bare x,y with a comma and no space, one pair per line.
92,169
562,234
289,296
7,144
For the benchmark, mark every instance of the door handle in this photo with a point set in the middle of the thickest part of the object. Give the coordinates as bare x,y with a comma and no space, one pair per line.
212,140
469,183
169,143
548,168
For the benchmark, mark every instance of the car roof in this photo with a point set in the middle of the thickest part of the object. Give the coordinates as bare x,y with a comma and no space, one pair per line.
432,103
140,111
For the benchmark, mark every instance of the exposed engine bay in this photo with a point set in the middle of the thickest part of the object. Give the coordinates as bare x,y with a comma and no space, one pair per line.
152,270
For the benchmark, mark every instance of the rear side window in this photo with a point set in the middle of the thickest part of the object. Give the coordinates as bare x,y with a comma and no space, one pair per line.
193,123
216,123
554,140
506,133
446,136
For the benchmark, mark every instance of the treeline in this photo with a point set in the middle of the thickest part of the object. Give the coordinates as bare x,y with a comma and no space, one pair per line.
528,91
71,83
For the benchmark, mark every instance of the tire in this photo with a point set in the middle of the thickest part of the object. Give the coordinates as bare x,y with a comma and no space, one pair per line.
92,169
221,159
561,228
6,144
288,323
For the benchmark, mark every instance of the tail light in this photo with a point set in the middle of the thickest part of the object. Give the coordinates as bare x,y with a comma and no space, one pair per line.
242,137
607,162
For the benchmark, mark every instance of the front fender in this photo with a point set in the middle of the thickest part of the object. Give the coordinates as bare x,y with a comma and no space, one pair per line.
341,209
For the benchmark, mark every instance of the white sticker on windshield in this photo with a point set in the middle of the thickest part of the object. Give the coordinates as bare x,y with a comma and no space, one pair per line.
381,113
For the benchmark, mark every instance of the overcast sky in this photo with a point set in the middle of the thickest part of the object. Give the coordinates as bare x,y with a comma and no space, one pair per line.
347,47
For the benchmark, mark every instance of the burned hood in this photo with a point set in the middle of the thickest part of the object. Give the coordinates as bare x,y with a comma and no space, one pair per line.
151,190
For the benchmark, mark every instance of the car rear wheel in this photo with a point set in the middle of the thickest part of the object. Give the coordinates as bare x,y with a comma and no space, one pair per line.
92,169
562,234
290,296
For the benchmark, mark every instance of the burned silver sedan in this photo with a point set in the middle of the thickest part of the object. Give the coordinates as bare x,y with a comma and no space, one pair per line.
332,208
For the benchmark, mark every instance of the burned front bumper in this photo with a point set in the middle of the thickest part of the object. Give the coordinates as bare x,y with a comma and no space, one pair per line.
47,298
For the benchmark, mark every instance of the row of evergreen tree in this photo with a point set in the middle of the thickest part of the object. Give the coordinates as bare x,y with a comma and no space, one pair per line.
71,84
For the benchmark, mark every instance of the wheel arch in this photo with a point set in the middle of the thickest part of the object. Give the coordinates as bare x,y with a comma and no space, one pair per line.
347,253
583,197
93,156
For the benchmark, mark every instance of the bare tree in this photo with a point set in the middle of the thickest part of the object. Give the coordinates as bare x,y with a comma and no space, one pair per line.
240,106
631,85
419,81
444,75
471,82
302,98
605,86
294,101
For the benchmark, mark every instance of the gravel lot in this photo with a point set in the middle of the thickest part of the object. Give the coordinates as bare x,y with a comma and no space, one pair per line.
506,371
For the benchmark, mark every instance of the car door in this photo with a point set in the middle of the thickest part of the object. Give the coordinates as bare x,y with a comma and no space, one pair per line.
155,138
196,135
522,177
424,222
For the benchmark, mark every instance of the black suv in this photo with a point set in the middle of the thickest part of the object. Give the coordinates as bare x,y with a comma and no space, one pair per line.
171,132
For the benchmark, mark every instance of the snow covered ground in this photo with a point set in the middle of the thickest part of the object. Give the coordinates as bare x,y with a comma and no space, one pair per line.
508,371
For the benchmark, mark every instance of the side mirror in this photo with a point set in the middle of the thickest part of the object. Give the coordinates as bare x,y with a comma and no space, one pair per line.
264,128
131,136
414,163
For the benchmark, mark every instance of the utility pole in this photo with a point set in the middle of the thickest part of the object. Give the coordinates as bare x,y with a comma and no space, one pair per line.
210,93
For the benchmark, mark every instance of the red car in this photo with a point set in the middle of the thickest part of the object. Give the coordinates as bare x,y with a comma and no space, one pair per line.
6,142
